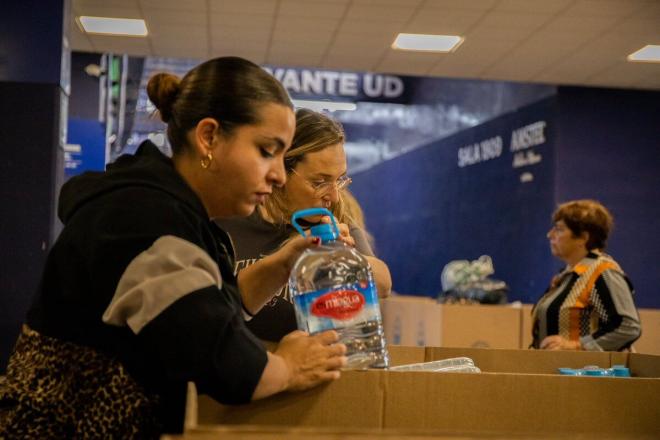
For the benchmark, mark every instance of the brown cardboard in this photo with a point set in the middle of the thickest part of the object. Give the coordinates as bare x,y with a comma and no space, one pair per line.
621,358
523,361
256,432
420,321
354,401
649,342
518,402
412,320
531,361
642,365
525,403
480,326
402,354
526,325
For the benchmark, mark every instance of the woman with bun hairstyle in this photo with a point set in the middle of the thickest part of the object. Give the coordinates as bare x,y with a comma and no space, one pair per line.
138,295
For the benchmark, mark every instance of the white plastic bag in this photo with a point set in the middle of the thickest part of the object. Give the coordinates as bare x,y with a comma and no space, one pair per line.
459,272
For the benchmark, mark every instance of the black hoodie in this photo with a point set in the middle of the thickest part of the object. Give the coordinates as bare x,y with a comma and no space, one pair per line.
139,272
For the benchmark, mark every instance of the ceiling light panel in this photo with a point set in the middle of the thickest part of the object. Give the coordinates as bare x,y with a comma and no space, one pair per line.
113,26
427,43
649,53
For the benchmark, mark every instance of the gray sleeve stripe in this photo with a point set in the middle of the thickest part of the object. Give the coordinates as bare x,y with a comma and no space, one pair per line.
620,294
361,241
630,327
588,343
170,269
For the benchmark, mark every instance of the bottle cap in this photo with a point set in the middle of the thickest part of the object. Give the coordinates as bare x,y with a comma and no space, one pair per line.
324,231
620,371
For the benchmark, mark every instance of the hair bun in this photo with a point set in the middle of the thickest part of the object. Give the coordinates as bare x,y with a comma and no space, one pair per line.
163,89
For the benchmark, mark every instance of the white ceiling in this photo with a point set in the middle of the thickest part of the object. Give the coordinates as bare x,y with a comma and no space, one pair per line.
581,42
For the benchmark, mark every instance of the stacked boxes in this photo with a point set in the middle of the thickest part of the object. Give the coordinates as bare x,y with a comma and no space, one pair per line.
518,393
649,342
421,321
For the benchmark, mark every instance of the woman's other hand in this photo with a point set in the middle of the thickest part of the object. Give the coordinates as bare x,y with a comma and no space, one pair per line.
311,359
300,362
556,342
344,231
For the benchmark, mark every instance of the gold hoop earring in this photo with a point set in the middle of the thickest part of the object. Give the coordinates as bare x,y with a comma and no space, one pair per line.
206,161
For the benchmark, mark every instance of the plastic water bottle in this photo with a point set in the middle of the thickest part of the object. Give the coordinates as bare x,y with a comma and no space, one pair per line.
594,370
333,288
454,365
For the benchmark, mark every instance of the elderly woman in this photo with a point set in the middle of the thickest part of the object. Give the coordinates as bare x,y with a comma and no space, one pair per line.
589,304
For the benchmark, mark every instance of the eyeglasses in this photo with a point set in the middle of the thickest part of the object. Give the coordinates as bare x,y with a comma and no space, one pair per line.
557,228
323,187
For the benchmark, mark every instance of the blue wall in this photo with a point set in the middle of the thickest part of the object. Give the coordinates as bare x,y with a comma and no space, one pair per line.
89,135
424,210
84,99
31,56
609,149
33,102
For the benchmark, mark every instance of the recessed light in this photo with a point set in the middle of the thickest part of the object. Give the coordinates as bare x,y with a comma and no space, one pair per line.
649,53
131,27
427,43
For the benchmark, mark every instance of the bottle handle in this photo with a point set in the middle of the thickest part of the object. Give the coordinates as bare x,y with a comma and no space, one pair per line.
310,212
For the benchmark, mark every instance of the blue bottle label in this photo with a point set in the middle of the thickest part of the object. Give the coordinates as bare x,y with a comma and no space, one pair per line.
337,308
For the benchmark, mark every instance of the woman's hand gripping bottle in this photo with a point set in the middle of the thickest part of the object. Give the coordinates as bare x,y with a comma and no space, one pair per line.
333,287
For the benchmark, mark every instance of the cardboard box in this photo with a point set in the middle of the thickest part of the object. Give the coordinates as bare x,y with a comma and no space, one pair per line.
402,354
410,320
530,361
256,432
649,342
420,321
523,403
526,325
511,396
480,326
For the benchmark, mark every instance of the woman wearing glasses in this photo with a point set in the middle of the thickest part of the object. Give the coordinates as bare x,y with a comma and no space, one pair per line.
589,305
316,178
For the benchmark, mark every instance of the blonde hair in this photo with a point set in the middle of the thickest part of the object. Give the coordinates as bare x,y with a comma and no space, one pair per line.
352,210
314,132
